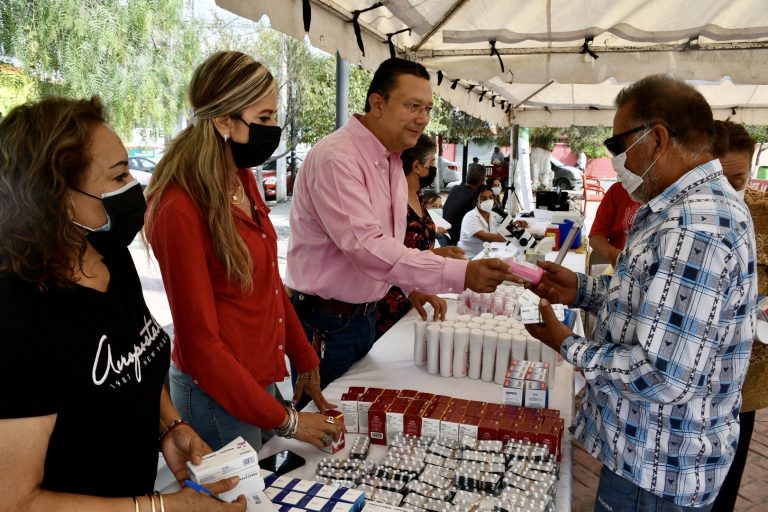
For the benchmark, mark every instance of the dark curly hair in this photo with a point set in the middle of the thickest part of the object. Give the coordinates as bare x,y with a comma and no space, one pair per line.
43,154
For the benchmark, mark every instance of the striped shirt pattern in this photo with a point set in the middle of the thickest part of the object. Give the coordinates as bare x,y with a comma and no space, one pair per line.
672,339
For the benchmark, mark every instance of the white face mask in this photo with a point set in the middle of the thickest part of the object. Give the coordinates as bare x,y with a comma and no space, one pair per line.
740,193
629,180
496,190
487,205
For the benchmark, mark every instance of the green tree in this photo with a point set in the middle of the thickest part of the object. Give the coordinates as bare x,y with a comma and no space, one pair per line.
588,139
545,138
137,55
760,134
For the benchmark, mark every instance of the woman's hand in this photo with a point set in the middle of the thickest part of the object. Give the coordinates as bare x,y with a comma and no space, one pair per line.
189,500
182,444
309,383
450,251
317,429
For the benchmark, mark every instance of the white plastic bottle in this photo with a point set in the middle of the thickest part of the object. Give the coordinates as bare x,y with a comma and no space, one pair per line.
460,352
475,353
518,347
446,351
490,338
420,343
503,348
433,348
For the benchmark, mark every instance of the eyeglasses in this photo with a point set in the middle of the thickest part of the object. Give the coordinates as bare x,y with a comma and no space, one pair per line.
616,144
417,108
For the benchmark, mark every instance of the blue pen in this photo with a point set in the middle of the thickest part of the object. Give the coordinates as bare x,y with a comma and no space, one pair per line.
202,490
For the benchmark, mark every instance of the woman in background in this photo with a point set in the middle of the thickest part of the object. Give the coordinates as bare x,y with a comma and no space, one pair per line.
217,250
419,168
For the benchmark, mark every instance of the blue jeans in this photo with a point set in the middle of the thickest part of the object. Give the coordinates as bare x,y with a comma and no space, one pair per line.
209,419
348,338
617,494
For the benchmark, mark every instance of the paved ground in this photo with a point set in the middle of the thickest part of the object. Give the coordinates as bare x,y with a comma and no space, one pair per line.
753,496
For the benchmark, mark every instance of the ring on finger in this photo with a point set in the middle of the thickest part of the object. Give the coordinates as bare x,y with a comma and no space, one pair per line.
329,419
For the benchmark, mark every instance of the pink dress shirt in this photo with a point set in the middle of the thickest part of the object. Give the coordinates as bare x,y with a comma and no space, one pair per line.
348,222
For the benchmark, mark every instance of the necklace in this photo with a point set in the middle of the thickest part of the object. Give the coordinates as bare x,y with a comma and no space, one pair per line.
239,192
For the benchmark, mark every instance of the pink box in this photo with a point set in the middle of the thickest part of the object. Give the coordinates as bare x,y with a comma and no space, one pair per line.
335,446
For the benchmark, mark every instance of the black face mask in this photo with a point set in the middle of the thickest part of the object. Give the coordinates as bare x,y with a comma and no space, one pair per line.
262,142
125,209
425,181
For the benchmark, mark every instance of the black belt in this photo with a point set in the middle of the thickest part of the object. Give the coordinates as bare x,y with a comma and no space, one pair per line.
305,301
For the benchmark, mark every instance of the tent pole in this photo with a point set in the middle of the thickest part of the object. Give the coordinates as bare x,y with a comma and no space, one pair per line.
342,91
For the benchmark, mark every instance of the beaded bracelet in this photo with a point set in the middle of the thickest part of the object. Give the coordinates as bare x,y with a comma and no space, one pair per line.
136,504
152,501
171,426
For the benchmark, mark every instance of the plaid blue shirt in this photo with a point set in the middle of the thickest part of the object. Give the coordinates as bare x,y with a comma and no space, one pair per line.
671,343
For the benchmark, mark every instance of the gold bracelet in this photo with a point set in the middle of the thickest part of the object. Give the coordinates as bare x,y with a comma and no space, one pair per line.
152,500
136,503
162,505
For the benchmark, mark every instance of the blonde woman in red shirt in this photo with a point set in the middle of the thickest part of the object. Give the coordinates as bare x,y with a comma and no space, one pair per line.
217,250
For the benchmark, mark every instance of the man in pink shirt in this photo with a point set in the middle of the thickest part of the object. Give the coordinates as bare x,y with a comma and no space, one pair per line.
348,224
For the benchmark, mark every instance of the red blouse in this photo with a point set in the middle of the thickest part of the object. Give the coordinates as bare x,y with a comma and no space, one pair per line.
232,345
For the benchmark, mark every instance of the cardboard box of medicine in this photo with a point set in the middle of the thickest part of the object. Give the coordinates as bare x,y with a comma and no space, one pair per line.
374,391
536,394
475,408
394,419
401,402
349,408
412,421
552,413
513,392
442,399
348,495
512,411
547,435
469,427
459,403
225,463
488,429
427,397
408,393
377,423
357,390
449,425
390,392
530,412
363,404
526,429
338,506
507,429
430,421
335,446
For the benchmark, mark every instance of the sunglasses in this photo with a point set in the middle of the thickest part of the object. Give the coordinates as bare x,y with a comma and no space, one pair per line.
616,144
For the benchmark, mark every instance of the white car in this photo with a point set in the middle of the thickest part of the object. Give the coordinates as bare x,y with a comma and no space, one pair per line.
449,171
141,176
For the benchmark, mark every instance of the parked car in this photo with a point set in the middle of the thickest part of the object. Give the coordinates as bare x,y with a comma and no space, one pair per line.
141,163
269,177
566,176
448,171
141,168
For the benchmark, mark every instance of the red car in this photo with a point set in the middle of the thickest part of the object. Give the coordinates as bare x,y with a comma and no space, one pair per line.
269,177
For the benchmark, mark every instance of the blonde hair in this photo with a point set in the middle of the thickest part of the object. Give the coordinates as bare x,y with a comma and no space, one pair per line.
224,84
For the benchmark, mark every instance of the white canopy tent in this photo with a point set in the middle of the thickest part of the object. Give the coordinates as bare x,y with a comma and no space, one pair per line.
564,61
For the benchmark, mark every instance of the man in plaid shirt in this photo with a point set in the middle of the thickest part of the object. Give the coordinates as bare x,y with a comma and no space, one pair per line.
675,323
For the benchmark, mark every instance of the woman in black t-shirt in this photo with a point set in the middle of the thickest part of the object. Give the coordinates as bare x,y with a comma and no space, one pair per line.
82,361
